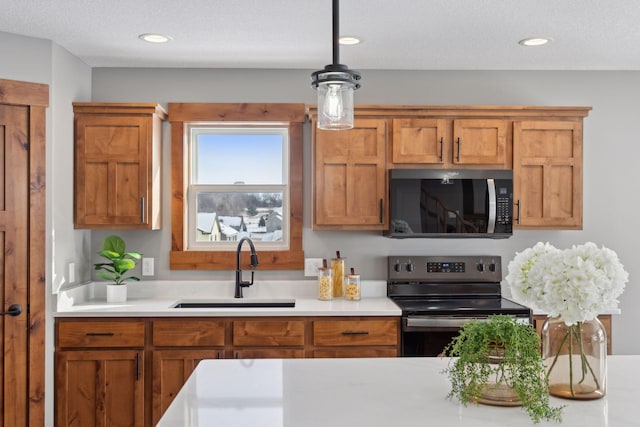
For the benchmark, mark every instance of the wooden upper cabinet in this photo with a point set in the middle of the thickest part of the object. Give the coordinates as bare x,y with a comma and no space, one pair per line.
350,177
450,143
480,142
547,161
117,165
419,141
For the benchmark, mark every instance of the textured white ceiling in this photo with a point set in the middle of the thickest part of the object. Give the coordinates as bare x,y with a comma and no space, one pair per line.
397,34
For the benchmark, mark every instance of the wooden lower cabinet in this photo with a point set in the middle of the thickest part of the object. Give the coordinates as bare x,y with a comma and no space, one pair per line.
101,363
356,337
100,388
171,369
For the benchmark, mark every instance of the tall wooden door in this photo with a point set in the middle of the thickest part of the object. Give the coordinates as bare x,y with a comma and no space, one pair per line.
22,249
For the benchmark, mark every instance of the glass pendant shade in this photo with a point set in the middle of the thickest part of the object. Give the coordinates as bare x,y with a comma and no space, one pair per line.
335,106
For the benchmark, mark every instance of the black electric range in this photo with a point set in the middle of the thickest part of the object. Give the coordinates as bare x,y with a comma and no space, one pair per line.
438,294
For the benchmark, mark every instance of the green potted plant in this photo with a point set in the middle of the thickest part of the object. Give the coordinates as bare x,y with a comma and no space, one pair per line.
498,362
120,262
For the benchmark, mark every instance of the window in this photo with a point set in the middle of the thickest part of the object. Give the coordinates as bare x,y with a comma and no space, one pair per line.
238,186
236,170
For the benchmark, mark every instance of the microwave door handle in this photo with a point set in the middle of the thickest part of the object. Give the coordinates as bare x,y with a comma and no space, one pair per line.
491,224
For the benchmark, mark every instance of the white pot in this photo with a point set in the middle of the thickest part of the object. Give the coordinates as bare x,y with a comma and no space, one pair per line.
116,293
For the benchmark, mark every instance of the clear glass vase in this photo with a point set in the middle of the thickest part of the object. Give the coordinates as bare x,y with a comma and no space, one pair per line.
575,358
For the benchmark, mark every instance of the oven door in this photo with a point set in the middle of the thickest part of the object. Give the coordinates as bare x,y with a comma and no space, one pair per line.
429,335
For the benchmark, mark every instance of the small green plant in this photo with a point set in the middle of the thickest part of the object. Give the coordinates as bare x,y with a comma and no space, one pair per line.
500,350
120,261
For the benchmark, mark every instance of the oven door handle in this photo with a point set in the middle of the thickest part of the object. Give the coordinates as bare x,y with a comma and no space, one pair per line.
440,322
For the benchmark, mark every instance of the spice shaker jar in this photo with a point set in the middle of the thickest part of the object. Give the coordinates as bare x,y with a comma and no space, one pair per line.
338,267
352,286
325,283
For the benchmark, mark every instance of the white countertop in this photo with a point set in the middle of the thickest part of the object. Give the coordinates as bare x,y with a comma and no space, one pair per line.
371,392
153,299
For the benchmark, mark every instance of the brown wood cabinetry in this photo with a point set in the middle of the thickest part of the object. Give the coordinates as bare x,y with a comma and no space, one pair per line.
450,143
365,337
101,363
178,345
480,142
171,369
547,162
117,165
538,321
350,177
420,141
100,373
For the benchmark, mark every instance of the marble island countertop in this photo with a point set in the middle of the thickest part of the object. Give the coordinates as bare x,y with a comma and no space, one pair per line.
158,298
373,393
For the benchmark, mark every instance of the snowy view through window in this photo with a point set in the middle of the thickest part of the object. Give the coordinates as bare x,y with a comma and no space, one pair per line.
238,186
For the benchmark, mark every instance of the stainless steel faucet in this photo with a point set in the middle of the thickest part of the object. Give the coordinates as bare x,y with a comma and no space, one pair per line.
254,263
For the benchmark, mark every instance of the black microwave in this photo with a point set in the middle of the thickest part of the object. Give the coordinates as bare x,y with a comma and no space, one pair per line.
450,203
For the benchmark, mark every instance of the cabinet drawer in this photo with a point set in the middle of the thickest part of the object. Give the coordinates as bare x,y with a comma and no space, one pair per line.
268,333
100,334
355,332
188,332
356,352
269,353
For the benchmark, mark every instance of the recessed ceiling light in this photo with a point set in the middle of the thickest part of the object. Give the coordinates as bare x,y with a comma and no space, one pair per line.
349,40
534,41
154,38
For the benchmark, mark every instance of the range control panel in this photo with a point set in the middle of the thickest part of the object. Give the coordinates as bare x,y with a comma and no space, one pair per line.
486,268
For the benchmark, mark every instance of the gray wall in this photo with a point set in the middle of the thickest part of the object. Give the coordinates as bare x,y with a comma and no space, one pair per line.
610,150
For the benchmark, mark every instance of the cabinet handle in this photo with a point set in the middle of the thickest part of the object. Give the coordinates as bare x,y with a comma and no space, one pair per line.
441,147
137,366
355,332
99,334
518,212
458,155
381,210
142,210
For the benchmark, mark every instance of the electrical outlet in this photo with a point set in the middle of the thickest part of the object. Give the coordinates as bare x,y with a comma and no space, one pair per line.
147,266
311,266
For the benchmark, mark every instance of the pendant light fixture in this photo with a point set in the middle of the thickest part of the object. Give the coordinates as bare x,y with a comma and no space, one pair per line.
335,85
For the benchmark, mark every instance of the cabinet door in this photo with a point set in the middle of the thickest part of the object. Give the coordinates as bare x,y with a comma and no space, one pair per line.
355,332
418,141
355,352
350,177
99,388
171,369
480,142
269,353
547,158
268,333
111,170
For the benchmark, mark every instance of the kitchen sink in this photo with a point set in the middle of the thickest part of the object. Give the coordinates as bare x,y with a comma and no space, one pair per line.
236,303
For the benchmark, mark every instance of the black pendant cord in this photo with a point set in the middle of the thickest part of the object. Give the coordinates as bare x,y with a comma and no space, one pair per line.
336,31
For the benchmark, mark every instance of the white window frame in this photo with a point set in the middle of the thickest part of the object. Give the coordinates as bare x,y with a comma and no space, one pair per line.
195,129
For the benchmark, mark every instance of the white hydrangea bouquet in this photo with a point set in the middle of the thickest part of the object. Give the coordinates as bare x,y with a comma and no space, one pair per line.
572,286
575,284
